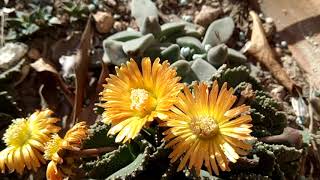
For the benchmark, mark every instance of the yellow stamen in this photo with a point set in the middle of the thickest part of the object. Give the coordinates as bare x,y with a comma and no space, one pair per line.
204,127
141,100
52,147
18,133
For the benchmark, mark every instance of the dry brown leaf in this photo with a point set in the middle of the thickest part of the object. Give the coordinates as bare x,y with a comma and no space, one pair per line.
261,50
81,69
86,113
42,66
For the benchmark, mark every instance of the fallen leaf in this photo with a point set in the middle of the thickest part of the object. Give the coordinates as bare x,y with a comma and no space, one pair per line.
81,69
87,112
41,66
261,50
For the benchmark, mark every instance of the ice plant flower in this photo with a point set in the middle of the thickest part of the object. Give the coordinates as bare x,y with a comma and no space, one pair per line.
25,140
134,98
203,129
71,141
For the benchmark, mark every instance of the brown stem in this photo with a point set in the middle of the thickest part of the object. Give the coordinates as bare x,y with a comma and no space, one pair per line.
290,136
92,152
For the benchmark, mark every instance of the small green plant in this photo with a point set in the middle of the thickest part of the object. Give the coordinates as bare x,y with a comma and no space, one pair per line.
76,11
27,23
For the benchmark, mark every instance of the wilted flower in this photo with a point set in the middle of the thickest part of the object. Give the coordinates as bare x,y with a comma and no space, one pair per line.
71,141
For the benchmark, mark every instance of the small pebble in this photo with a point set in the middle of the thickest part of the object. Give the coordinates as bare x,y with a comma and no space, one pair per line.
91,7
183,2
187,18
104,21
197,56
116,16
261,16
111,3
284,44
269,20
242,36
207,47
207,15
185,51
100,6
119,26
278,51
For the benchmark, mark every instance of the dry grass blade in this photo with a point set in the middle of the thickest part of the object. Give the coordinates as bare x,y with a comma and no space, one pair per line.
81,69
41,66
261,50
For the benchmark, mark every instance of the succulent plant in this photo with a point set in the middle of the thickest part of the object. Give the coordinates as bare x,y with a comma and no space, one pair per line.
142,9
146,157
219,31
175,41
76,10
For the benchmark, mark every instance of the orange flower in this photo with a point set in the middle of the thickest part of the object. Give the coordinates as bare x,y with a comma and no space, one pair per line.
134,98
71,141
204,130
25,140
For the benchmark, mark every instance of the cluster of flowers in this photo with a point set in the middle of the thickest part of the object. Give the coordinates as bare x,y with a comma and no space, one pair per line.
33,140
202,127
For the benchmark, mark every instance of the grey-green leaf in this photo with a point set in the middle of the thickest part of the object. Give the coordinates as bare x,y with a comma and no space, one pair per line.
182,67
125,36
192,42
170,29
236,57
151,25
113,52
203,70
218,55
172,53
138,46
141,9
219,31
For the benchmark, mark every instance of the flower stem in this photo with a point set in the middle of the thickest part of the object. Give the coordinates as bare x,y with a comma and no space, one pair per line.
92,151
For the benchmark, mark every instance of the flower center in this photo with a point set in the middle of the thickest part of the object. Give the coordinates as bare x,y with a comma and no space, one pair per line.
18,133
142,101
52,147
204,127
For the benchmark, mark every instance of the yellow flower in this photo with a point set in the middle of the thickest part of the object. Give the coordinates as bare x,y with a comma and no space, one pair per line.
71,141
25,139
134,98
204,130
